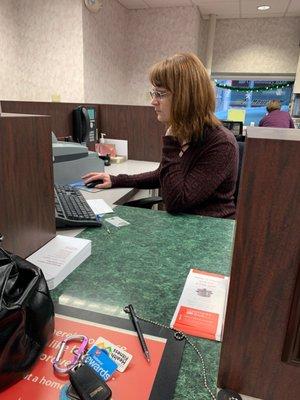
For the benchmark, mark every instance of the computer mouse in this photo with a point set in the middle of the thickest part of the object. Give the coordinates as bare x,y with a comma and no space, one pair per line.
92,184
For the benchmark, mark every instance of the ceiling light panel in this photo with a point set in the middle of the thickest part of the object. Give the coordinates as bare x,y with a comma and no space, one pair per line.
276,7
263,8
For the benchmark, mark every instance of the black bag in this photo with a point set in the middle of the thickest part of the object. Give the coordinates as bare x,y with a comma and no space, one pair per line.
26,317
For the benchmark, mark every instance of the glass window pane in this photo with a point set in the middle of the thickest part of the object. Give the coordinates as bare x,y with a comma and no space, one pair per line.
254,100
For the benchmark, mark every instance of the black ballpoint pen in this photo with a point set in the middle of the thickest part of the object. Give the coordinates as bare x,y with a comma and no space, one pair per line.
129,309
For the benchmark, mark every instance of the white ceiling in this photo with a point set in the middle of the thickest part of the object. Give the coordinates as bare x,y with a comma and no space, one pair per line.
225,8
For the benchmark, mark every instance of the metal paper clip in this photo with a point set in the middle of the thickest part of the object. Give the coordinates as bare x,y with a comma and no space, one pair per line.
63,367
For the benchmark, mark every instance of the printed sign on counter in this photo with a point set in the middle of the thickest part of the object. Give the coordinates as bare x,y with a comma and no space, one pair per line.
201,308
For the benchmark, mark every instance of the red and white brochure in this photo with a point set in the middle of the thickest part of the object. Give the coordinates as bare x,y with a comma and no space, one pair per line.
202,305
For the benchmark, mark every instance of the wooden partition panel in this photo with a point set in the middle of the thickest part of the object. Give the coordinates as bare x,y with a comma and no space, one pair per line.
26,191
291,351
262,319
138,125
61,113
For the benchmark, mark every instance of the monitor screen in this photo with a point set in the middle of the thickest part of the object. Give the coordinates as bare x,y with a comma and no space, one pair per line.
236,127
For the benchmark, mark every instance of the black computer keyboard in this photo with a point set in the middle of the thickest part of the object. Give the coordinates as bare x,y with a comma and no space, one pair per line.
71,208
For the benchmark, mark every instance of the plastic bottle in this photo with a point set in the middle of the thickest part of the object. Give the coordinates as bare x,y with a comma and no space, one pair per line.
102,140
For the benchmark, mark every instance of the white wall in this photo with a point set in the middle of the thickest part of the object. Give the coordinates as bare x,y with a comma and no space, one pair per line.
59,47
41,50
64,49
105,43
9,38
51,49
155,34
260,45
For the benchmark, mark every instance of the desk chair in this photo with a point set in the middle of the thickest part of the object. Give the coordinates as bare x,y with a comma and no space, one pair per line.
241,155
240,138
149,202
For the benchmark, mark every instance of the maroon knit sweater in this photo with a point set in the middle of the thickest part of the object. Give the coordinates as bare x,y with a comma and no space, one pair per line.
201,181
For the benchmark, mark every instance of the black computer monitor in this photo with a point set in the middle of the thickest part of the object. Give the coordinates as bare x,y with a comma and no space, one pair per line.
236,127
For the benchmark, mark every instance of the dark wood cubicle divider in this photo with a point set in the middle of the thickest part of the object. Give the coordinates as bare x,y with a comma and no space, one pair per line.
26,191
260,353
61,113
137,124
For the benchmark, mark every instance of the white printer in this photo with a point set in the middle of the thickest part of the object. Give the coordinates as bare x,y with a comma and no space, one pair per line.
72,160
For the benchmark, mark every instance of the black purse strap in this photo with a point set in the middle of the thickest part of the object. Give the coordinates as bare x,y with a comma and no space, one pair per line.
7,269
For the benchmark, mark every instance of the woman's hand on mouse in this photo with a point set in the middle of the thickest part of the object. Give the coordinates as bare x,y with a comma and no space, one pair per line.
93,176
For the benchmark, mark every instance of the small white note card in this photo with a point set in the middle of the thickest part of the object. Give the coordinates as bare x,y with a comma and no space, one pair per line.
201,308
99,206
117,221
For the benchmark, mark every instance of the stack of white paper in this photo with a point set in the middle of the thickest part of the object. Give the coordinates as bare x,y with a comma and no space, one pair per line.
59,257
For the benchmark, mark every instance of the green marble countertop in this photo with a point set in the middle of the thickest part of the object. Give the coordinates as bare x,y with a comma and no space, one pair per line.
146,263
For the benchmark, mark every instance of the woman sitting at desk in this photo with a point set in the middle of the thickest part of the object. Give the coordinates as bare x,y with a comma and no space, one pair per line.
198,170
275,117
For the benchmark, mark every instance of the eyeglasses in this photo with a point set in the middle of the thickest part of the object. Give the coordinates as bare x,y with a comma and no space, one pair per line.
158,95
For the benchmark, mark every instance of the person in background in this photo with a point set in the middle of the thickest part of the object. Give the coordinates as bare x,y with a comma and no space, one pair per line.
198,170
275,117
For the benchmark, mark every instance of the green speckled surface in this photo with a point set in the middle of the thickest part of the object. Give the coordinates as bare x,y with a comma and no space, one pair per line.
146,263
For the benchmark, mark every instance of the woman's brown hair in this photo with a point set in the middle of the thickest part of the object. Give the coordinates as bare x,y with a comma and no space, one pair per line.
193,98
273,105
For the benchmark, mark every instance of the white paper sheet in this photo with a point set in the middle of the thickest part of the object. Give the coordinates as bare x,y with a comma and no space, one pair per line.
117,221
99,206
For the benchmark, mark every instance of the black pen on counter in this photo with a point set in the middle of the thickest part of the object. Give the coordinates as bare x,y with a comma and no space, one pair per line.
129,309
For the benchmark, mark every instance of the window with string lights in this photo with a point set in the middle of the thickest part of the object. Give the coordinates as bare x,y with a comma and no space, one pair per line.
251,96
